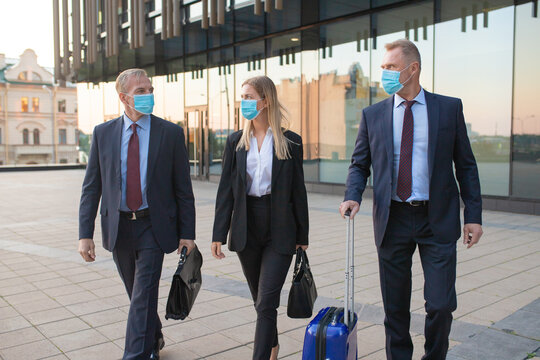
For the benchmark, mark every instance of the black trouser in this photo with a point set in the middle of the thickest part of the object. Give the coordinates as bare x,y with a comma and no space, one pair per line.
407,227
265,271
139,260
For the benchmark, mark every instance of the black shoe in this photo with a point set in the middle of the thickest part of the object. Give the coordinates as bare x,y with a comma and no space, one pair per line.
160,343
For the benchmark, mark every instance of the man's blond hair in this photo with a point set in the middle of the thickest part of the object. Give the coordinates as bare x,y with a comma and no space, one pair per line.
408,49
123,79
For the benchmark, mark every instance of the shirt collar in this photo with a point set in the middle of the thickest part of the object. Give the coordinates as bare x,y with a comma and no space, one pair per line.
420,98
143,122
268,132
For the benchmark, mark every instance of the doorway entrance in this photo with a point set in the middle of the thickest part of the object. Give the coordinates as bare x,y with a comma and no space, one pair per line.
196,124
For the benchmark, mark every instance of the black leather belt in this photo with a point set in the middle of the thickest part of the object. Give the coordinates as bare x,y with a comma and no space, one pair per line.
414,203
134,215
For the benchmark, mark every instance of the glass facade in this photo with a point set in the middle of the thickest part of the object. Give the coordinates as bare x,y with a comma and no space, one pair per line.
325,57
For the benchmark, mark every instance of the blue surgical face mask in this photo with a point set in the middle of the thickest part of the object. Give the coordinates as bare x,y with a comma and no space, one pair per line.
390,80
143,103
249,109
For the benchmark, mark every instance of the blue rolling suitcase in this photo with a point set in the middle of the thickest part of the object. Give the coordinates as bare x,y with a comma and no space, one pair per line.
331,335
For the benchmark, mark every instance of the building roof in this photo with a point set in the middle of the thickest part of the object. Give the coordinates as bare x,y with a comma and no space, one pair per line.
26,71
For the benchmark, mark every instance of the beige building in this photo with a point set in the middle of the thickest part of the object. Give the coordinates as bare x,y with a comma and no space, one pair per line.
38,119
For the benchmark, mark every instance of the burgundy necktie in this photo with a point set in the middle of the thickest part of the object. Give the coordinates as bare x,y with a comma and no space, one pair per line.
404,180
133,177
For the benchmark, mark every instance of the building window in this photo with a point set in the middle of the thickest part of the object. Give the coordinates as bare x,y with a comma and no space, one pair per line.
25,136
24,104
22,76
62,136
36,76
62,106
35,104
36,136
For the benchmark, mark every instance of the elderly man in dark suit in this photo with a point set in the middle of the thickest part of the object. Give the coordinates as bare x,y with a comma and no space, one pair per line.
139,168
412,140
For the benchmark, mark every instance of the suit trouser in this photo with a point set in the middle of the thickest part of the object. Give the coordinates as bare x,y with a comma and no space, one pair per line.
139,260
265,271
407,227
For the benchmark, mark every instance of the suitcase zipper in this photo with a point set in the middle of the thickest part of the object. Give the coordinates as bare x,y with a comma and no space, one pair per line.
320,340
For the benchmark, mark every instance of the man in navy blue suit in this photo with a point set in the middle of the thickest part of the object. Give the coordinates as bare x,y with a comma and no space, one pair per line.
412,140
139,168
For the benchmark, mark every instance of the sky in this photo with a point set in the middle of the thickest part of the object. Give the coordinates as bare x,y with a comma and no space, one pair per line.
27,24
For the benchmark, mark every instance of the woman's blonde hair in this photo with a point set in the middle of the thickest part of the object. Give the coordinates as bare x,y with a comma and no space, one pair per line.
276,117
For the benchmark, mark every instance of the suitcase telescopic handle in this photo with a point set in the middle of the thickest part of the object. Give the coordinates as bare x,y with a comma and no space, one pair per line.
349,272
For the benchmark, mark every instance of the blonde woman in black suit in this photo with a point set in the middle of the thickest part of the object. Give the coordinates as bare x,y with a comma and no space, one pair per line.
262,201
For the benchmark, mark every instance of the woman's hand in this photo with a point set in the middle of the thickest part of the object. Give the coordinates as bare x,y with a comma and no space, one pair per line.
216,250
304,247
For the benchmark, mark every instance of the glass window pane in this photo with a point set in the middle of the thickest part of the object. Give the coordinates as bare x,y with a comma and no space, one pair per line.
333,8
476,66
221,114
526,126
247,24
412,22
287,18
284,69
344,88
310,113
196,82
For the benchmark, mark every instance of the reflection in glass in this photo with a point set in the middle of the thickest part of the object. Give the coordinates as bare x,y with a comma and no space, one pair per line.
344,64
331,9
526,124
221,114
310,114
411,22
476,66
284,69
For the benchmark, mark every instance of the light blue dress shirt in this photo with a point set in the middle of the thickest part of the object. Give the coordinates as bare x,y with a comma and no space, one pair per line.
143,131
420,171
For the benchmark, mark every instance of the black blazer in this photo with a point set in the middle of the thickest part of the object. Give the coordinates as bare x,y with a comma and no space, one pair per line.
289,208
448,145
169,192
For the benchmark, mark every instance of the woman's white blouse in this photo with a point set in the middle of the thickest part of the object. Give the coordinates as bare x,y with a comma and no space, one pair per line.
259,165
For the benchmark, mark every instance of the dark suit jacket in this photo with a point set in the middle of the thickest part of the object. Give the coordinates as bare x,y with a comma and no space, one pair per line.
169,192
448,144
289,208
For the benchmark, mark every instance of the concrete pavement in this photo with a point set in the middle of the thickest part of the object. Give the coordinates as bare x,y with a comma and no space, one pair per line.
55,306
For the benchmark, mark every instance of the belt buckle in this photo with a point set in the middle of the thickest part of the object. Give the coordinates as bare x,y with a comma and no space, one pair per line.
133,216
415,203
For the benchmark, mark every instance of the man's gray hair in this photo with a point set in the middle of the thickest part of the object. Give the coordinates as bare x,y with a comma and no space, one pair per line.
123,78
409,50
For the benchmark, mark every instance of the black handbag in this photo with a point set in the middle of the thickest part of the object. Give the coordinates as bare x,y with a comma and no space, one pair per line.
185,285
303,291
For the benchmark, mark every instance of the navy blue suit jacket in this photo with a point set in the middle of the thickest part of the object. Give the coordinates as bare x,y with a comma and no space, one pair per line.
169,192
448,145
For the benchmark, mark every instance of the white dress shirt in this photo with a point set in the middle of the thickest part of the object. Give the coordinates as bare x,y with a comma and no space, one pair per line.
259,165
420,172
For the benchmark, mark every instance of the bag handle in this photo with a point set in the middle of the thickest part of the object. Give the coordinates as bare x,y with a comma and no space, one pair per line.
183,256
301,263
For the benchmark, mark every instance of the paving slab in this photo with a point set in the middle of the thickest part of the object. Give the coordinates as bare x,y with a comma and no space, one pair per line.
55,306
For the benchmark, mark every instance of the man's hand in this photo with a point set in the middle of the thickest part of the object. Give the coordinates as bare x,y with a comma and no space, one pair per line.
304,247
349,205
190,244
471,234
216,250
87,249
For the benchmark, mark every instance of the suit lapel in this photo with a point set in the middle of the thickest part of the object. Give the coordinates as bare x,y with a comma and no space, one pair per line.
116,143
433,127
388,129
156,132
